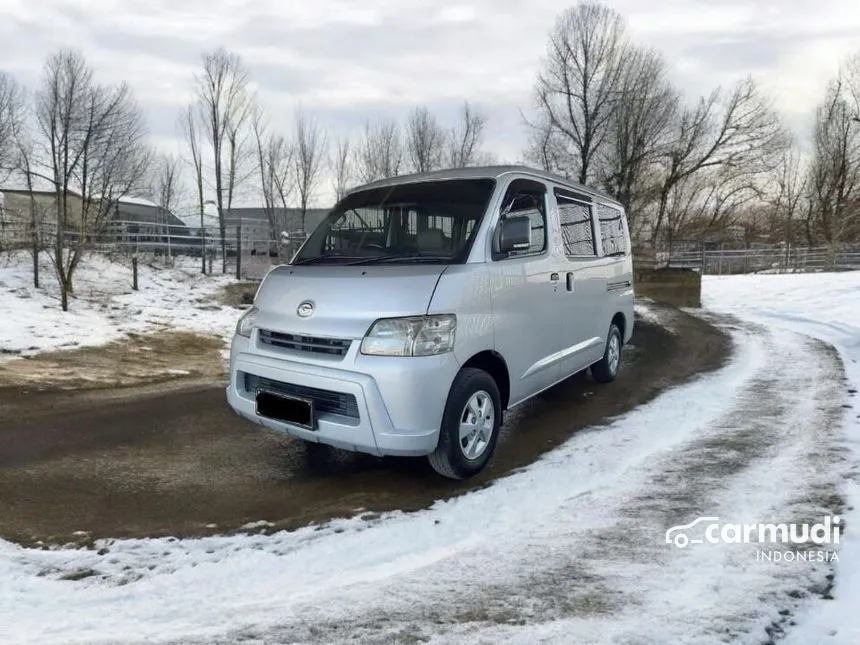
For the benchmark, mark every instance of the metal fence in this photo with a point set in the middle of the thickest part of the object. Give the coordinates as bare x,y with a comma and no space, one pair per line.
252,257
765,259
246,257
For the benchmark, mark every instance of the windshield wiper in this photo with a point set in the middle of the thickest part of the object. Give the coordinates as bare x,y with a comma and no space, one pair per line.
406,256
326,256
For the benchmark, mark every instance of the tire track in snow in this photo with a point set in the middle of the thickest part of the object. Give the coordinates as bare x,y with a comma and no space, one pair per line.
775,456
791,402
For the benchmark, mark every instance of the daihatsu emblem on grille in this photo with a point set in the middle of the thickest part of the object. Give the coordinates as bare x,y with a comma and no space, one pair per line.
305,309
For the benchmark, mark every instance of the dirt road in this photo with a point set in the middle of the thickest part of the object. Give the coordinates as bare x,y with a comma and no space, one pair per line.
75,467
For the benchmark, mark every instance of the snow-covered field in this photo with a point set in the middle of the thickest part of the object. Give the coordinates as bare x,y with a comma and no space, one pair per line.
570,549
104,306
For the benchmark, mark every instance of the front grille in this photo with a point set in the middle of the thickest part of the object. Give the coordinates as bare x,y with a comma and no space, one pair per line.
325,401
313,344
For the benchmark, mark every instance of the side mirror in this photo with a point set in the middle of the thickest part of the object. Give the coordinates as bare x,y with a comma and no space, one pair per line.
515,234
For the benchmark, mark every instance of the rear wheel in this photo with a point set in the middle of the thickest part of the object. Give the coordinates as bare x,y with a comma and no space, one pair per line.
606,369
470,425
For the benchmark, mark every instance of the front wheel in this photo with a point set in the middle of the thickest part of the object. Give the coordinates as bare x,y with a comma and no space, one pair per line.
470,425
606,369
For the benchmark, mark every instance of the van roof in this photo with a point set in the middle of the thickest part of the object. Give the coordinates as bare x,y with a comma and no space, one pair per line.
484,172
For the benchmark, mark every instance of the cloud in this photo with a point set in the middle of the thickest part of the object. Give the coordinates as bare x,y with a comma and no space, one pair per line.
347,62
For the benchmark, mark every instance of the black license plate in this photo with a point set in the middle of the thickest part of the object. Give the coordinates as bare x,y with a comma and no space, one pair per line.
289,409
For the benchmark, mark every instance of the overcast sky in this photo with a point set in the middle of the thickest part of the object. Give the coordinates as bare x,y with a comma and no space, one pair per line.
350,60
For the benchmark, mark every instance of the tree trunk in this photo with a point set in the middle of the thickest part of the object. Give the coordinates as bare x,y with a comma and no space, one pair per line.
202,243
223,249
808,227
34,229
661,215
35,263
64,295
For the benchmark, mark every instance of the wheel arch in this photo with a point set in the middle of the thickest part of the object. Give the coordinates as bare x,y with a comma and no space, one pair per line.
620,321
494,364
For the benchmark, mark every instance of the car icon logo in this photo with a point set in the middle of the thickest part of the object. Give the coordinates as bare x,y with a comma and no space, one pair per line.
677,535
305,309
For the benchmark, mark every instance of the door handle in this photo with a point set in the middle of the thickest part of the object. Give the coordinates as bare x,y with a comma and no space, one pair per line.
553,277
570,282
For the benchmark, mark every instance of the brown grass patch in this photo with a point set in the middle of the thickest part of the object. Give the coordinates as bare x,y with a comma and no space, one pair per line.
238,293
138,359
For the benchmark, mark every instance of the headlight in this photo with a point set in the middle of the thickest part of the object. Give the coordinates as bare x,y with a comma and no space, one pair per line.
246,322
413,336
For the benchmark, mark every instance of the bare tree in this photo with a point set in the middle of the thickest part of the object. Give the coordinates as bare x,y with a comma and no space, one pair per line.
166,182
834,174
710,201
310,151
851,74
639,130
686,204
92,137
275,166
578,85
11,115
166,188
425,140
545,149
786,199
21,160
380,152
341,168
465,139
223,98
189,124
736,132
240,148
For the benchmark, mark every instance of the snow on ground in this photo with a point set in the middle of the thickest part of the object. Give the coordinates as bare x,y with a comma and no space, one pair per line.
825,306
645,310
570,549
104,306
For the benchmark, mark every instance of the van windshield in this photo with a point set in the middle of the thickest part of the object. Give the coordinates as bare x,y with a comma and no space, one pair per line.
428,222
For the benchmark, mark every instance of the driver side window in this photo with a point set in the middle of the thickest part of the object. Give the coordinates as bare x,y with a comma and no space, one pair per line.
527,198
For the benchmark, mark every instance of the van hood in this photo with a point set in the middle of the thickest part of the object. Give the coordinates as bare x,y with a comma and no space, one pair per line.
346,300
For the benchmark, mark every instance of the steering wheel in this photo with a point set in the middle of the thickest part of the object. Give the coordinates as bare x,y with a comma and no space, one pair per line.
374,245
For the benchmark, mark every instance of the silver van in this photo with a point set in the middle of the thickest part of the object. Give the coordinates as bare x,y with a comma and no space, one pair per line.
424,306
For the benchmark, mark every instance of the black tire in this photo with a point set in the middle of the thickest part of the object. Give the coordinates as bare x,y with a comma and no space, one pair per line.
606,369
450,459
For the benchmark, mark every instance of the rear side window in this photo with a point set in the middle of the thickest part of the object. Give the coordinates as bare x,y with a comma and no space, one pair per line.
577,229
613,239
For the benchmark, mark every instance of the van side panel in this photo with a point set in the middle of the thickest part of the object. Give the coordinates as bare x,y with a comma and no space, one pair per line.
464,290
526,293
584,282
585,321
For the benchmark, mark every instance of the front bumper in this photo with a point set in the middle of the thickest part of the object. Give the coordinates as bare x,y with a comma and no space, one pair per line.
398,402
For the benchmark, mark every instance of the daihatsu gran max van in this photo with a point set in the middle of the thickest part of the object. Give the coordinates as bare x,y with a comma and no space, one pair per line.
425,306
